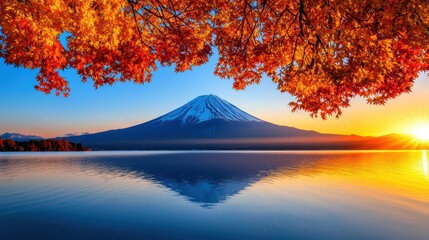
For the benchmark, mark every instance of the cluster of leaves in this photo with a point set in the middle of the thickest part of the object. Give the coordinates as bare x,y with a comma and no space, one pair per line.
322,52
41,145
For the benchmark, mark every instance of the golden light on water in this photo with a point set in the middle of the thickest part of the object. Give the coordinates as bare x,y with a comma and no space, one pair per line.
425,164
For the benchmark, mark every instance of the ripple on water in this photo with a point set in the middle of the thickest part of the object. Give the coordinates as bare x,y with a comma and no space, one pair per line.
381,194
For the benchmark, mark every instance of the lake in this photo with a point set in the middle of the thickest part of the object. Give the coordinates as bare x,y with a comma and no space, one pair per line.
215,195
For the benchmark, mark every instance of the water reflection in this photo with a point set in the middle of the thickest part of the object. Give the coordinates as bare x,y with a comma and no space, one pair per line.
202,178
215,195
211,178
425,164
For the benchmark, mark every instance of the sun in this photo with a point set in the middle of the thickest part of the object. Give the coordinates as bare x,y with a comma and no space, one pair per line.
421,132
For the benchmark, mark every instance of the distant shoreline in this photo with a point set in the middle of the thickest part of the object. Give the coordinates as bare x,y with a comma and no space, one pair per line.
8,145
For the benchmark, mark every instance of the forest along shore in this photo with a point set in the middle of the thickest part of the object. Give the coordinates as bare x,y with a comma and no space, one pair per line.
8,145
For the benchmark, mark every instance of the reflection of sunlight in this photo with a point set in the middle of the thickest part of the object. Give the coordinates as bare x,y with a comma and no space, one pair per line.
425,164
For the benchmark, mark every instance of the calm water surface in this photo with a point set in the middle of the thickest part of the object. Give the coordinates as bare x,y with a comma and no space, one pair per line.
214,195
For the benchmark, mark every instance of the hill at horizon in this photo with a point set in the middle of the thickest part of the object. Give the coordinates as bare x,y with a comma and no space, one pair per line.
19,137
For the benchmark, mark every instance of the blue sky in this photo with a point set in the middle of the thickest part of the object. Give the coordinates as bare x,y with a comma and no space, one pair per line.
28,111
86,109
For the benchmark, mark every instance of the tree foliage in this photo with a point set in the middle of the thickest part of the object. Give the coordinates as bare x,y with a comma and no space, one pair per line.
322,52
41,145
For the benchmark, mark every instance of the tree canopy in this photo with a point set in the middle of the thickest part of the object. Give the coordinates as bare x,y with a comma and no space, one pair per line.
8,145
322,52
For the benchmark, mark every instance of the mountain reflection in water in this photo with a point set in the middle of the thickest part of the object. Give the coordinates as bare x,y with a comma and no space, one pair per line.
206,179
215,195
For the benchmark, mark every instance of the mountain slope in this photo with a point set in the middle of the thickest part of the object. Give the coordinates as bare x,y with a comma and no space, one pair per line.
19,137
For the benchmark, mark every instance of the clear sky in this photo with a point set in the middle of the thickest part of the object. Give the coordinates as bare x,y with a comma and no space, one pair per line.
27,111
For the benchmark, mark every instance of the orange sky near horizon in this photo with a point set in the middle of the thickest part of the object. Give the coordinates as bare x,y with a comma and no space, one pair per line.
400,115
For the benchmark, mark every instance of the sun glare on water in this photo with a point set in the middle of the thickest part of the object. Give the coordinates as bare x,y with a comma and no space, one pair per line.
421,132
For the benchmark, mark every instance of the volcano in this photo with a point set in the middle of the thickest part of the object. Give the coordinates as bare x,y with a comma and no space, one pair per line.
206,122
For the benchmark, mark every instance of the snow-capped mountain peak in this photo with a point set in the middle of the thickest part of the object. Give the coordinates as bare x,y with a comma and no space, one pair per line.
207,107
19,137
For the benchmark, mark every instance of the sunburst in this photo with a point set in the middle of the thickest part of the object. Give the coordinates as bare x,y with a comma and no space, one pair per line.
421,131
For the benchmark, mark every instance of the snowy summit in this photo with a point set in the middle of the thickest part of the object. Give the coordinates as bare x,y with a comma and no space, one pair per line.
207,107
19,137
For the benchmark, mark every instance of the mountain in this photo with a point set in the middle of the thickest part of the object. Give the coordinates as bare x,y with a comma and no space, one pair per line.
206,122
75,134
209,122
19,137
